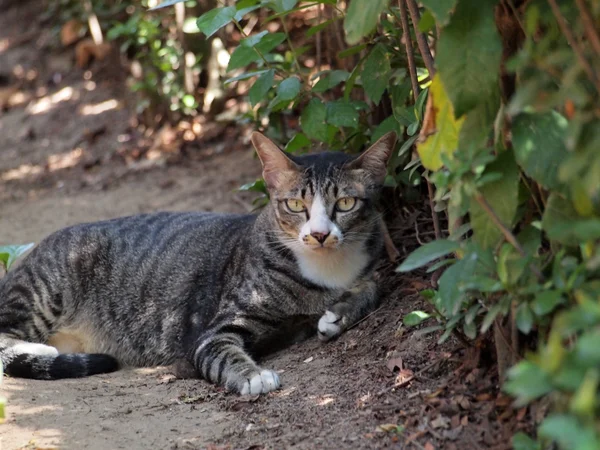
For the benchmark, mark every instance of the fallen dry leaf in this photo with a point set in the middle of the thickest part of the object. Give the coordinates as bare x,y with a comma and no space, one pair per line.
441,422
395,364
88,49
428,446
404,376
70,32
386,427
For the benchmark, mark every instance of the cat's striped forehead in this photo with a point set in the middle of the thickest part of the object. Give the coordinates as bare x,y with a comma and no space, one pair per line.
324,174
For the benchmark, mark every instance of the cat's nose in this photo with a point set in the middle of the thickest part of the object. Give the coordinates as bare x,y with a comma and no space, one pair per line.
320,237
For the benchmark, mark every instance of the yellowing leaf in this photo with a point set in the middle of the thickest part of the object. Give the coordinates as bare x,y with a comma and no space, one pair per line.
440,128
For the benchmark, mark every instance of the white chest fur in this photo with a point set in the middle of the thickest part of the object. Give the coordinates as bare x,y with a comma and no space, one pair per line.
337,269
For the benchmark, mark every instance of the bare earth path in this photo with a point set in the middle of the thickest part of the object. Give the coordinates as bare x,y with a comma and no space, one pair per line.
62,140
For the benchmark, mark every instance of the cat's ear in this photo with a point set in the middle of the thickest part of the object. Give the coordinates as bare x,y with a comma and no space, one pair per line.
276,164
374,160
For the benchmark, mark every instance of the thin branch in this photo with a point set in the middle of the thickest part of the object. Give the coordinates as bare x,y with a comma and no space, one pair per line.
318,38
564,27
434,216
421,38
505,231
588,24
412,69
93,23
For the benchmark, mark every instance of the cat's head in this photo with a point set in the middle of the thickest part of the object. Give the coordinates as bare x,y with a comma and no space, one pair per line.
324,201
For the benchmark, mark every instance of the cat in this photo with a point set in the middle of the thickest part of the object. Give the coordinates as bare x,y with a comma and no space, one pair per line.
203,290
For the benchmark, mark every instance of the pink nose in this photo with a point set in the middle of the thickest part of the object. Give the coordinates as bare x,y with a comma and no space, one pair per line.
320,237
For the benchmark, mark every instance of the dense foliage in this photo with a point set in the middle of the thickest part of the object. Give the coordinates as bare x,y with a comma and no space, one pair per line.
502,125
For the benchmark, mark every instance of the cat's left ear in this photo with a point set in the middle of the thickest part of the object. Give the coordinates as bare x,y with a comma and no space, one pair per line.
374,160
276,164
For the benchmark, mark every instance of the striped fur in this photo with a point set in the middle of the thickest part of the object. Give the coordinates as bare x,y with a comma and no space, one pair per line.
204,290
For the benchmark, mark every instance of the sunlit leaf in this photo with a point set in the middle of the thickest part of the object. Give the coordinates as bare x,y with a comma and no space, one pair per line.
215,19
441,130
415,318
10,253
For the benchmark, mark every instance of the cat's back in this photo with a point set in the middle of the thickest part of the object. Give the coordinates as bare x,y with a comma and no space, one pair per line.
165,245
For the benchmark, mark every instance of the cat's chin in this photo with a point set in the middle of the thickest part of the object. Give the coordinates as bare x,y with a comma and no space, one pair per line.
319,249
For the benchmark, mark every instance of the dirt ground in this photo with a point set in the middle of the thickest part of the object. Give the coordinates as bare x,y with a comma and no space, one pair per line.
69,153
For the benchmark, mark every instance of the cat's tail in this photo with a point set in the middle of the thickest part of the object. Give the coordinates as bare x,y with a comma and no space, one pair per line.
43,362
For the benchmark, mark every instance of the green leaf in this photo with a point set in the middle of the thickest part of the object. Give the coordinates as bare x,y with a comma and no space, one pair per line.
166,3
415,318
10,253
450,290
313,122
297,142
527,381
524,318
376,71
261,87
468,55
539,145
255,186
443,139
351,51
545,302
246,52
342,114
569,433
245,76
329,80
440,9
389,124
281,6
427,22
362,17
521,441
287,91
427,253
314,30
587,349
562,223
502,197
215,19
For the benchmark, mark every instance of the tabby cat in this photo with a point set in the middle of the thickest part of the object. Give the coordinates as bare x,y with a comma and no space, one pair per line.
202,290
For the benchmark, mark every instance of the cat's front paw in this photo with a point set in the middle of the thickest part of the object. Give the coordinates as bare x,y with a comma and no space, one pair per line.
330,326
261,383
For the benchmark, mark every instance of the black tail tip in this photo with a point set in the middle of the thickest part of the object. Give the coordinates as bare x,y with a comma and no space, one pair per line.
82,365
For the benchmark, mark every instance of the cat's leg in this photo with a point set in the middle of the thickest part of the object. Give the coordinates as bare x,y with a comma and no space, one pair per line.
29,315
221,359
353,306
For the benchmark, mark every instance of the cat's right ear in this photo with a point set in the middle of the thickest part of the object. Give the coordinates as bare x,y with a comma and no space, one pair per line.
276,164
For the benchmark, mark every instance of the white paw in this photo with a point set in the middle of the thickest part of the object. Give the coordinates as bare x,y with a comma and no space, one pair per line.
329,326
34,349
261,383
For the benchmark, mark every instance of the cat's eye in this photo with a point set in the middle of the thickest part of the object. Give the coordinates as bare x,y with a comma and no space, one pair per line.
295,205
345,204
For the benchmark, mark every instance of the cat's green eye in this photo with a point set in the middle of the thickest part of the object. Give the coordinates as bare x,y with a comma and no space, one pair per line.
345,204
295,205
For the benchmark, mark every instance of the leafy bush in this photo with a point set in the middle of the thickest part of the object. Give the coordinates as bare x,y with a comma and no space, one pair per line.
508,134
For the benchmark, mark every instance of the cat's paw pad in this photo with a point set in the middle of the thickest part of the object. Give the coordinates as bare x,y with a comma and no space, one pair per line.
261,383
330,326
